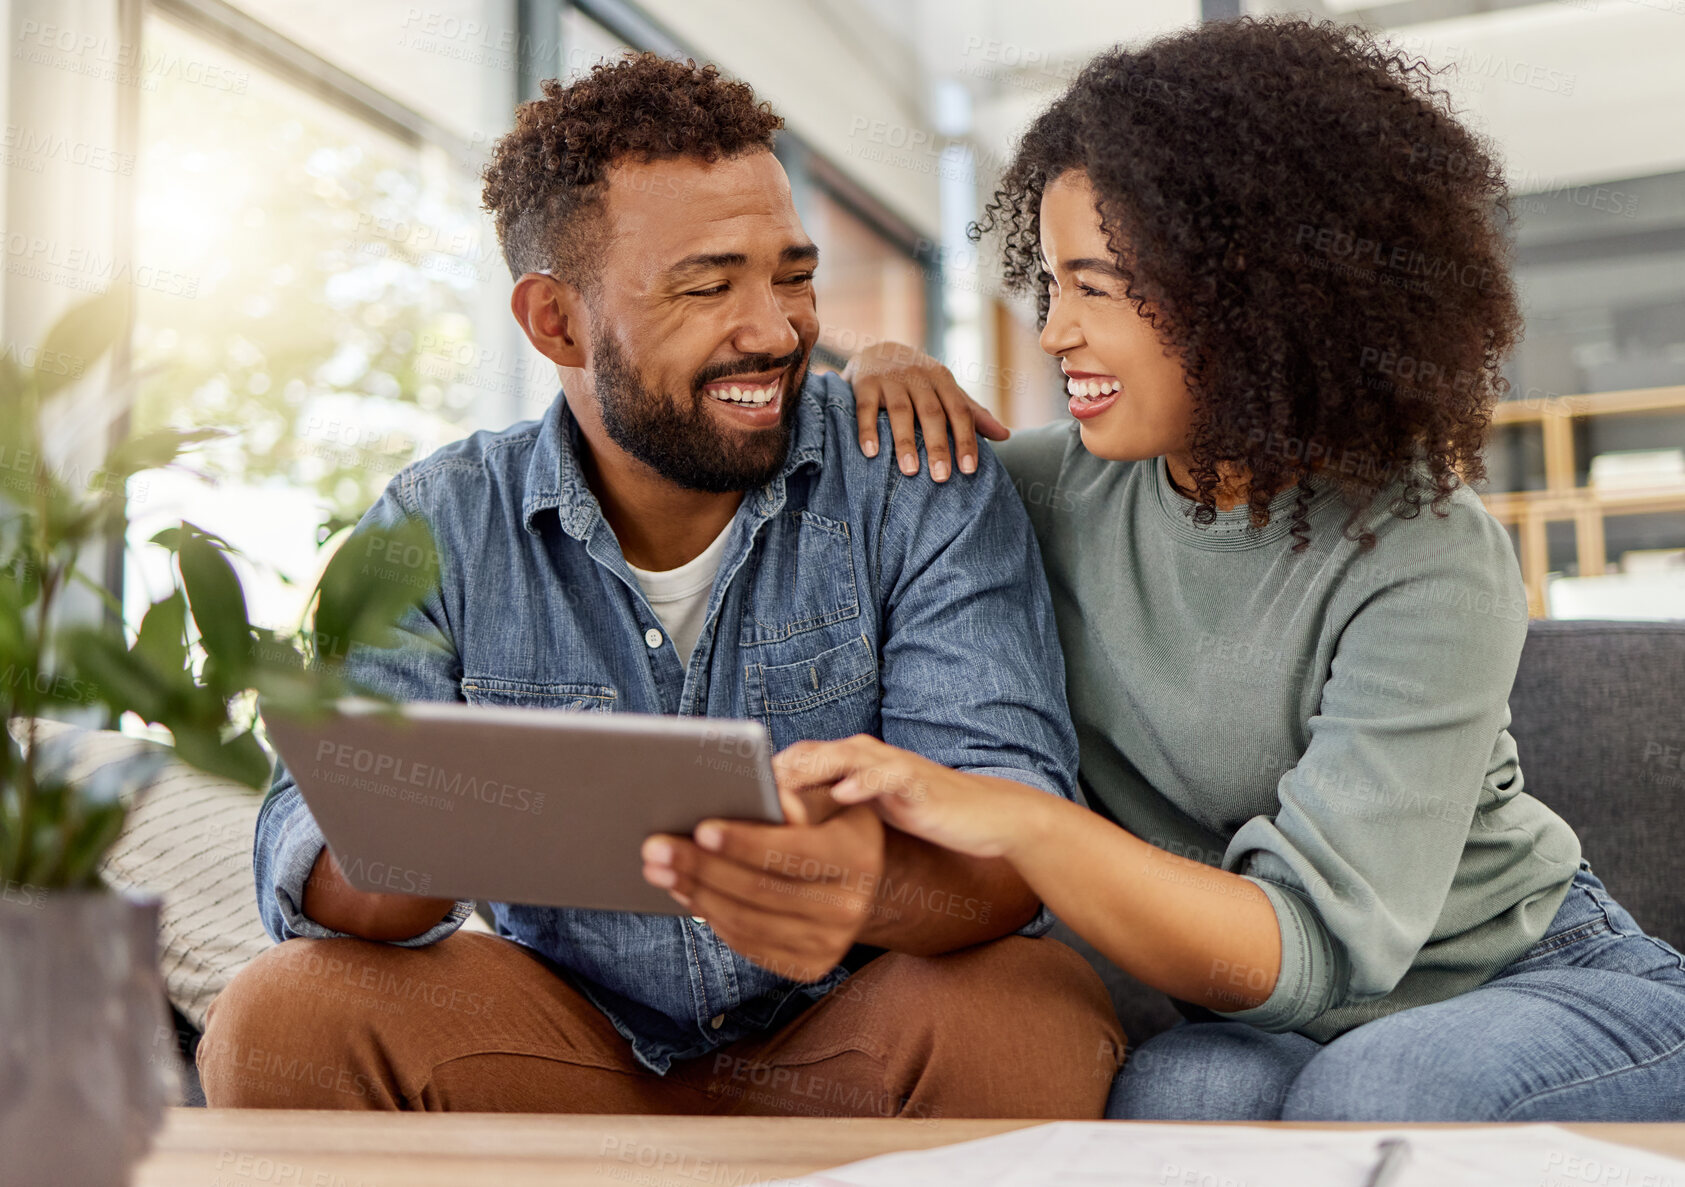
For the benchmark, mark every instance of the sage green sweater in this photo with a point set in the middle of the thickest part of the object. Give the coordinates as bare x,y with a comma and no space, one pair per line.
1330,724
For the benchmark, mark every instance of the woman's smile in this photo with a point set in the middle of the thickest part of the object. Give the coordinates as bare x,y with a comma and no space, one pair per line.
1091,393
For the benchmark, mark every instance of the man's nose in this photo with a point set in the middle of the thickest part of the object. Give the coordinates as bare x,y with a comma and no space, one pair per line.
765,327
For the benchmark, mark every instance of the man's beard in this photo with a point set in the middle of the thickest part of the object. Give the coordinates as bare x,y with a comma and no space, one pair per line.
684,445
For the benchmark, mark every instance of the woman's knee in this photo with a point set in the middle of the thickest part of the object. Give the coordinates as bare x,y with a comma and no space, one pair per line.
1209,1071
1391,1071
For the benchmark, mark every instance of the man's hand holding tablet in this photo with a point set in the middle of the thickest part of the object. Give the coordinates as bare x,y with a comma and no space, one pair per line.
794,897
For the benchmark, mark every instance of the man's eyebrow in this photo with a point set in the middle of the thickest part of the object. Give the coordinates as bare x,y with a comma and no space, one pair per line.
704,261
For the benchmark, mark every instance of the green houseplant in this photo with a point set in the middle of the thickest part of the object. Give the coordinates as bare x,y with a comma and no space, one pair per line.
82,1083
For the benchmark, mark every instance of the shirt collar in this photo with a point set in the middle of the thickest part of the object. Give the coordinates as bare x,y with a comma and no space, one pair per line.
555,481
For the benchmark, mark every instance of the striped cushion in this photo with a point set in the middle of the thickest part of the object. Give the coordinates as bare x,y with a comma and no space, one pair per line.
188,840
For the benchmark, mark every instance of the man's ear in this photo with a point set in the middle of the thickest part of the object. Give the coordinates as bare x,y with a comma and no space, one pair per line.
552,314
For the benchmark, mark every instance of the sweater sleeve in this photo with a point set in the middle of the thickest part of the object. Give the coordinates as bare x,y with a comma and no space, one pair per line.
1373,819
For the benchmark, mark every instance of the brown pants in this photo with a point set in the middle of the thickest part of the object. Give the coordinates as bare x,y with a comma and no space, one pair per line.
1013,1028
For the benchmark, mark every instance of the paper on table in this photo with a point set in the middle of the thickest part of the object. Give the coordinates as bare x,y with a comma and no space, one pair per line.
1088,1154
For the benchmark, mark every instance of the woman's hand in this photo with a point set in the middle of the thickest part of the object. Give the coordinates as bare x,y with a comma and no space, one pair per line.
909,383
977,815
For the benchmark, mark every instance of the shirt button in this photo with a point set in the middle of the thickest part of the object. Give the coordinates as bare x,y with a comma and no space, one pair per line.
697,919
717,1021
652,637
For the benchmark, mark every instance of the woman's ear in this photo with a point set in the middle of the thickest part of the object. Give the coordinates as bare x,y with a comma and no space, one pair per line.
552,314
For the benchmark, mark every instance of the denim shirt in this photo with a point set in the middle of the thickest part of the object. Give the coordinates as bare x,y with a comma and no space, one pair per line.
850,599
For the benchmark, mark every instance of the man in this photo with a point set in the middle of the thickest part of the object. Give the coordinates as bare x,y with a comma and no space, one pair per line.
690,529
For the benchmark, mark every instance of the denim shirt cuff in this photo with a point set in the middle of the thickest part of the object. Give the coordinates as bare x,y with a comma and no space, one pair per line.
296,849
1042,921
1304,986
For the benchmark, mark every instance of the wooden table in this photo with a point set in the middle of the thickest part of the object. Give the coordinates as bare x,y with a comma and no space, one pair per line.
281,1148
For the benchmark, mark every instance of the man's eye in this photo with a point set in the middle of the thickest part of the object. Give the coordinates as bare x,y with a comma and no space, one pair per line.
801,278
708,292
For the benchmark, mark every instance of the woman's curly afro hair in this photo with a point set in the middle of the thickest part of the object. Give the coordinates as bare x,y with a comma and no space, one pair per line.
1313,233
545,181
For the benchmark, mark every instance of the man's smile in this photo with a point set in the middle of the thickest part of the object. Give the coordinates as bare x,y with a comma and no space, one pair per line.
753,401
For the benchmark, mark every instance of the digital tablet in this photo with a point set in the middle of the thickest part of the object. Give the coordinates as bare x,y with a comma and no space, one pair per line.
542,806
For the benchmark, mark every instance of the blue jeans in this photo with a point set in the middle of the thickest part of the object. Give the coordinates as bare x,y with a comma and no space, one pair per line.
1588,1025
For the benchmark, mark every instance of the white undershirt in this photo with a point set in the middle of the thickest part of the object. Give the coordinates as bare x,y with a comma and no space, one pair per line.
679,596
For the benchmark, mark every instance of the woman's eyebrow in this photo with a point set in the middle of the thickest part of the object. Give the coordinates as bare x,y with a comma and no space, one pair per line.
1094,264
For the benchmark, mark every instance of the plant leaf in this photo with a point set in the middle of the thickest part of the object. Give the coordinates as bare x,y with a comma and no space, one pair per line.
123,681
373,580
81,337
154,450
240,758
89,842
218,604
162,640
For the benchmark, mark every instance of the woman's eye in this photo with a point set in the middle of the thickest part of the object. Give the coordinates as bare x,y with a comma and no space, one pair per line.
1086,291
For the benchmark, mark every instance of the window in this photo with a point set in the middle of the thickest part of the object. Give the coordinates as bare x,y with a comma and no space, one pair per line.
341,313
868,290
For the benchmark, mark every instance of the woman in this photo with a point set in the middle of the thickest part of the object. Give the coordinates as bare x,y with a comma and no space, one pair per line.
1272,266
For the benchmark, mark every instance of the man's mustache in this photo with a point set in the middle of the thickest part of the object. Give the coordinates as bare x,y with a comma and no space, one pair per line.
753,364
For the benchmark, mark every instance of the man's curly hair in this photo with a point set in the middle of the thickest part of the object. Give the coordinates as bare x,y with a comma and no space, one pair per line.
1310,229
545,182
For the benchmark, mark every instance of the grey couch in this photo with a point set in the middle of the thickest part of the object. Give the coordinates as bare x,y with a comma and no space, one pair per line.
1599,719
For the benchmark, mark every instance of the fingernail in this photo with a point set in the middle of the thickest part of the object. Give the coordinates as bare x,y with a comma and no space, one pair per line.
870,448
658,853
939,471
968,464
660,876
683,899
909,463
710,836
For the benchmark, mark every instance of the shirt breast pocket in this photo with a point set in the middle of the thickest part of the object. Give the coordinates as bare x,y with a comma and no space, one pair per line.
830,695
805,580
529,694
